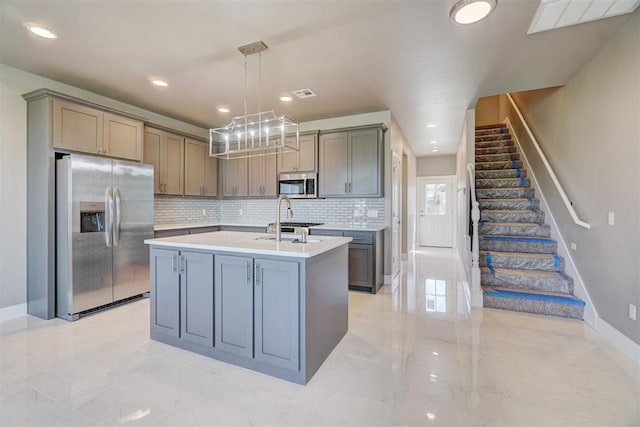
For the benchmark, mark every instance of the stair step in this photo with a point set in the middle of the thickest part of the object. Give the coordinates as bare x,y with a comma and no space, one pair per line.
492,144
505,193
497,157
548,303
522,261
501,164
491,131
526,279
535,245
492,126
512,215
514,229
501,173
501,149
498,204
502,182
493,137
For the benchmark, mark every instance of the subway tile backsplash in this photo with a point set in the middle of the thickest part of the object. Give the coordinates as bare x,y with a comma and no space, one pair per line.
352,211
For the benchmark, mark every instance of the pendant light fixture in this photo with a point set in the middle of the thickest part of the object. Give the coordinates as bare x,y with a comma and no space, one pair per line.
466,12
255,134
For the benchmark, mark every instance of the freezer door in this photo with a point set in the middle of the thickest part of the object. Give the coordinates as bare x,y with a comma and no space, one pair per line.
90,281
133,196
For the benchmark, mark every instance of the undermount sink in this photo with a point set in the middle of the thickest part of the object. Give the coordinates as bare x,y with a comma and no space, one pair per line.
294,238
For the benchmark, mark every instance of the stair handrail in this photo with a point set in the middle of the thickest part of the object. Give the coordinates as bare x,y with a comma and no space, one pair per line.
475,241
550,171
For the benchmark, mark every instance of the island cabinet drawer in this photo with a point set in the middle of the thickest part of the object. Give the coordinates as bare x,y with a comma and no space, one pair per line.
182,295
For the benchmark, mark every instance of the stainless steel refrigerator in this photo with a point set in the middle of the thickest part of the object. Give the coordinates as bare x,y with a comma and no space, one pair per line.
104,212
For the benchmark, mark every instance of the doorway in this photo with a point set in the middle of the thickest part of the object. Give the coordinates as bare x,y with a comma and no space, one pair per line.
435,211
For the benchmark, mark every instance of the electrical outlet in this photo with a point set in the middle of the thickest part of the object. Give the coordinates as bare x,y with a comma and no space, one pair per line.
372,213
574,246
632,311
204,212
612,218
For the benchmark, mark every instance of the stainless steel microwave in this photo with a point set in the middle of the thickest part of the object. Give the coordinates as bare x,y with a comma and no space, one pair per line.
298,185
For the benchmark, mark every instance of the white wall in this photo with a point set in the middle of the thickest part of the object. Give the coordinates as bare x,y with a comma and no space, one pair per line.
13,169
589,131
436,165
466,153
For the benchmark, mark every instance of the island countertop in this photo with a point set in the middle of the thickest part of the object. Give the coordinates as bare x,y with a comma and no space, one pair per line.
252,243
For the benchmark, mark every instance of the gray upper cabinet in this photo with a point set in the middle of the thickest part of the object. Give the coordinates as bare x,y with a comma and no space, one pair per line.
196,297
277,317
303,160
235,177
262,176
200,170
165,290
78,127
234,304
351,163
165,151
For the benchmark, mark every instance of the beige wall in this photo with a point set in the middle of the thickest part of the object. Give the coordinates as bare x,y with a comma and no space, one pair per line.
590,132
488,111
436,165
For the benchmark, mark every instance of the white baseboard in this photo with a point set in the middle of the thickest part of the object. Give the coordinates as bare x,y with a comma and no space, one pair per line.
13,311
619,340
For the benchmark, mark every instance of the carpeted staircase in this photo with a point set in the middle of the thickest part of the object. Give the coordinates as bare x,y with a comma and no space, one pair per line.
520,267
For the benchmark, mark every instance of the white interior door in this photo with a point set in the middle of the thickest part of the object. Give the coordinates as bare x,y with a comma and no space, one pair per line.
435,210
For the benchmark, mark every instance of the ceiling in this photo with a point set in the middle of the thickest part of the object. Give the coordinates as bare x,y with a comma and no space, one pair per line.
357,56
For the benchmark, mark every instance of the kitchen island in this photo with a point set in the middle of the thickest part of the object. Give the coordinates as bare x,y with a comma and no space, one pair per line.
279,308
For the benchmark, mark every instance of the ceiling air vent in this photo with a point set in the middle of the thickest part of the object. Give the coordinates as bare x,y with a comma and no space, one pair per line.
552,14
304,93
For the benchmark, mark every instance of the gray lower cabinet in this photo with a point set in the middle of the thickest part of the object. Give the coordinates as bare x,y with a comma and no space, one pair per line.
186,277
366,261
234,304
277,317
165,291
196,297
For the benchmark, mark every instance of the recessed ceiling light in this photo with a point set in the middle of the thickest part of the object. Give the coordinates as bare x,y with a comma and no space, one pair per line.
431,415
41,31
435,150
467,12
223,109
433,142
285,98
159,82
435,353
431,125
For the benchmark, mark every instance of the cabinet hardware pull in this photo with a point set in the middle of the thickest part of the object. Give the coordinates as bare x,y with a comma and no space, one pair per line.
181,262
358,238
346,187
174,263
258,273
349,187
248,272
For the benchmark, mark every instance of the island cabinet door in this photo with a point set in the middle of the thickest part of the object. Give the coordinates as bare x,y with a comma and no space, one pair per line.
196,298
165,292
277,313
233,285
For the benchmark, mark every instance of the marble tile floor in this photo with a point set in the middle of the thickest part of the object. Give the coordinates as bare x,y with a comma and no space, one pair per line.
414,355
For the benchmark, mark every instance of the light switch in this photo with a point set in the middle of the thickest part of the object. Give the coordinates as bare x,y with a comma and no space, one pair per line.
574,246
612,218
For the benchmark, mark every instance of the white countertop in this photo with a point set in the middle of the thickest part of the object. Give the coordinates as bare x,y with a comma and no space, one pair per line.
183,225
251,243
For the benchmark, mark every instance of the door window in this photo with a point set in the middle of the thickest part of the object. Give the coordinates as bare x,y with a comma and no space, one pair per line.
435,199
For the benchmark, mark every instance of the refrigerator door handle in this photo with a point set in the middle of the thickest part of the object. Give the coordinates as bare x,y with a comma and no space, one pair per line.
108,236
116,232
